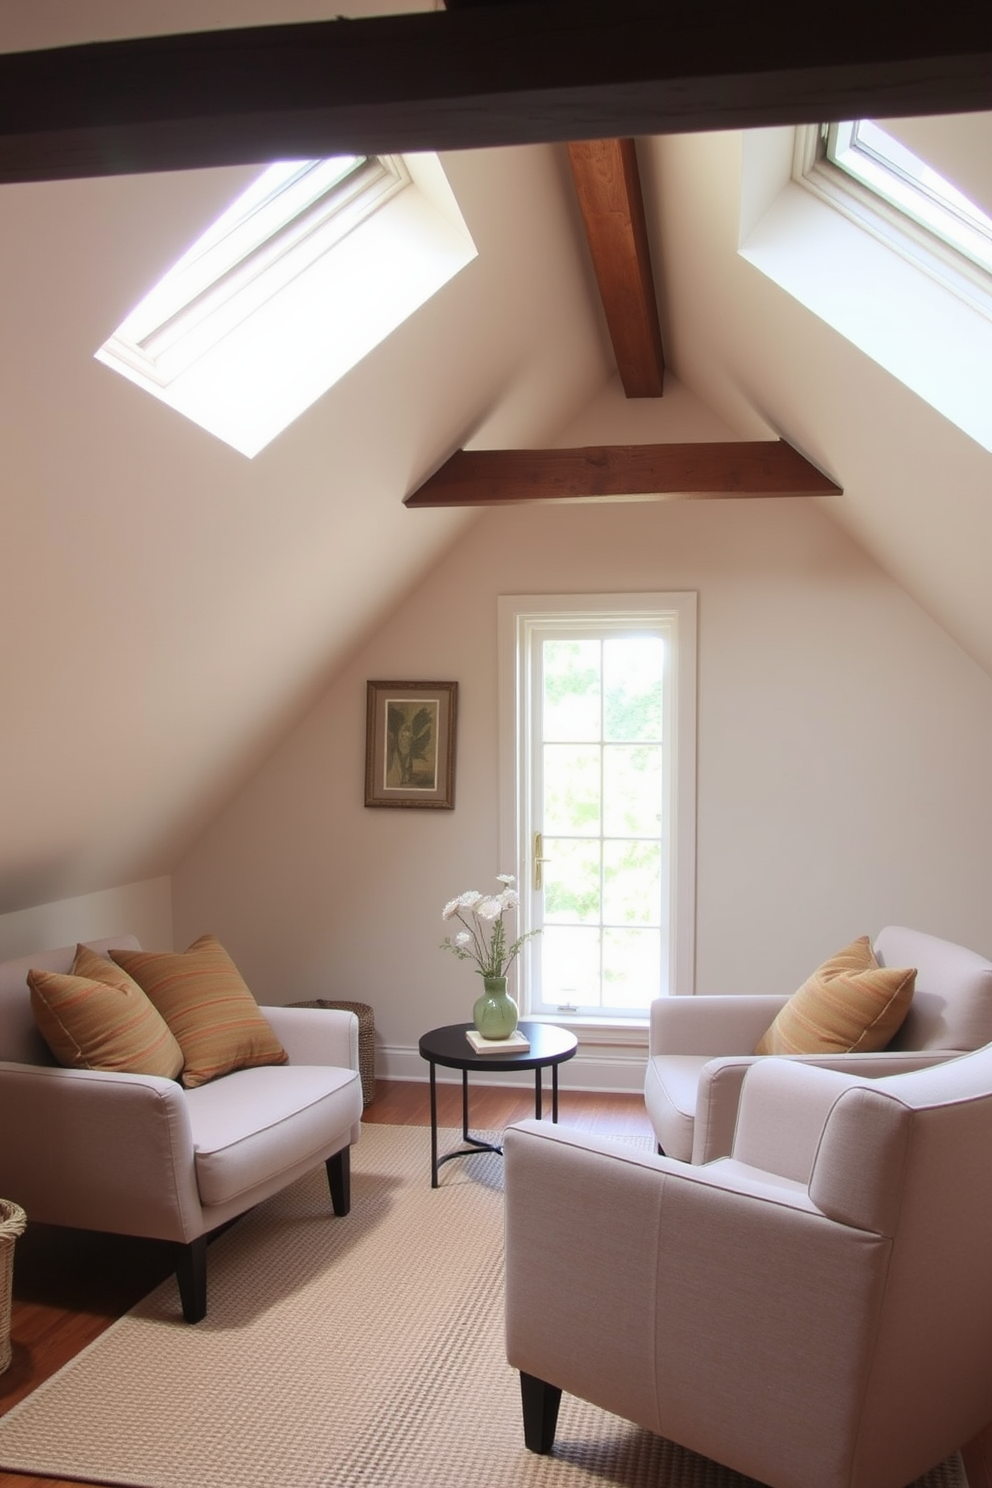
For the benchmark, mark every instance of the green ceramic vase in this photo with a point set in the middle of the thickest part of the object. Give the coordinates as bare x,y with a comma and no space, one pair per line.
495,1012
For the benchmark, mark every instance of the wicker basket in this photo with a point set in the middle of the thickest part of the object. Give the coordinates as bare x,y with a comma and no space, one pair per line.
12,1222
366,1040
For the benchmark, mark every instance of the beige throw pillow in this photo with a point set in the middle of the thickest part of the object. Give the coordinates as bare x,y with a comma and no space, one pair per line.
96,1017
202,997
849,1005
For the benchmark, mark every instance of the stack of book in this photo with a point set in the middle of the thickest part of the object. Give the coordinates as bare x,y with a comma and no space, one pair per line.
517,1043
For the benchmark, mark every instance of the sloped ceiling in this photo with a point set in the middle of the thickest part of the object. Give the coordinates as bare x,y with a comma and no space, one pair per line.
917,492
169,608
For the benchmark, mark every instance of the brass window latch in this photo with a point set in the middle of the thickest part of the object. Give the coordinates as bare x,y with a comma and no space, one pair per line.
539,860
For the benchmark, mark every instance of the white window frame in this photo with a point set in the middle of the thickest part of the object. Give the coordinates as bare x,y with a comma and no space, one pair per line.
313,266
518,617
887,167
288,218
887,204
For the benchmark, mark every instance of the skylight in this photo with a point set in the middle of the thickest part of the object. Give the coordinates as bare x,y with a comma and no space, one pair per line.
881,274
863,170
877,159
278,298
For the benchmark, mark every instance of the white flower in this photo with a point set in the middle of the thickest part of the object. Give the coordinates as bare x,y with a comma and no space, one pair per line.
468,900
483,938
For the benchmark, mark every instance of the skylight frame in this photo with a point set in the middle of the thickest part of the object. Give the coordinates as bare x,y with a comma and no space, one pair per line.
877,183
879,161
280,225
249,365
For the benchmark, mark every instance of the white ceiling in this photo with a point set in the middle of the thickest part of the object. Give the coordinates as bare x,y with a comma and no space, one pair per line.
169,608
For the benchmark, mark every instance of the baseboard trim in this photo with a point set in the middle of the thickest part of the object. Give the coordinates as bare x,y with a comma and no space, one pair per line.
616,1070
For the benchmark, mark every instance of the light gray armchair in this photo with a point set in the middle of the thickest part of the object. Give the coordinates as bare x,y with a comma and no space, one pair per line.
814,1311
140,1155
700,1048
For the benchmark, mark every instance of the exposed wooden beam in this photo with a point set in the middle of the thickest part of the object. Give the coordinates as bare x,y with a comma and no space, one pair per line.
608,188
608,185
489,75
604,472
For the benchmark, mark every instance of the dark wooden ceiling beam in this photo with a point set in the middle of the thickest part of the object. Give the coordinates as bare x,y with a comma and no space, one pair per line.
501,74
605,472
608,185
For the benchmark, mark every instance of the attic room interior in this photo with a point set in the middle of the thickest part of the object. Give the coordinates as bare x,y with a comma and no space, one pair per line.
654,358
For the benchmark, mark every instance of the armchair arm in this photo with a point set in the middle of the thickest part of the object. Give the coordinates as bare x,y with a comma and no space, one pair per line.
721,1081
573,1274
99,1150
627,1276
316,1035
808,1093
710,1025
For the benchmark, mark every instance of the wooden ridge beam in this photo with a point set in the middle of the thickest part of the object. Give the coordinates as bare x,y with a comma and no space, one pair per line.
607,472
497,74
608,185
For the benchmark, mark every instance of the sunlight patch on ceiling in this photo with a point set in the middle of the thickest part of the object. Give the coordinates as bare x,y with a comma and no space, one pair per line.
298,280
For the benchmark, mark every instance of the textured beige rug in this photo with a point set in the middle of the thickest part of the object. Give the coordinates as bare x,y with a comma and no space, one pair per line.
338,1353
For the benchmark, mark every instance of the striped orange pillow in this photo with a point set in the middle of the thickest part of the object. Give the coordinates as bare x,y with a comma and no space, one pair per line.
202,997
92,1020
89,963
849,1005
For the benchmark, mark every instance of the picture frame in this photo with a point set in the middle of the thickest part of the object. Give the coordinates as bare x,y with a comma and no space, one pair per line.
410,744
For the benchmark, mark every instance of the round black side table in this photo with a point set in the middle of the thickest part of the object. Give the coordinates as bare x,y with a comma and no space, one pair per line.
549,1047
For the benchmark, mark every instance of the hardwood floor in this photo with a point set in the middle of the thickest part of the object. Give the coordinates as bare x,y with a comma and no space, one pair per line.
398,1103
69,1285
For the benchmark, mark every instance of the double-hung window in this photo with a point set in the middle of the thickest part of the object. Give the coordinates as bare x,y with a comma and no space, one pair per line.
598,722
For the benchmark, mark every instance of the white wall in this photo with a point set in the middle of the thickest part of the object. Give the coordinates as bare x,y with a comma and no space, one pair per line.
141,909
843,754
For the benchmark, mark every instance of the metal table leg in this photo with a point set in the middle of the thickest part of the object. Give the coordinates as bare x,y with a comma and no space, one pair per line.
476,1144
433,1124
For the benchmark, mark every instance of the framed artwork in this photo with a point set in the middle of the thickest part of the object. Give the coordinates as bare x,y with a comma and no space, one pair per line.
410,744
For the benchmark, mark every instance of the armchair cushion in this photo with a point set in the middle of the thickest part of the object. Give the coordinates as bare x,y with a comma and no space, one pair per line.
850,1004
97,1018
203,999
256,1124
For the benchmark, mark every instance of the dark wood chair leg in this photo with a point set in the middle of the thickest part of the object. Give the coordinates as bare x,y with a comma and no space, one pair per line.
540,1402
191,1274
339,1179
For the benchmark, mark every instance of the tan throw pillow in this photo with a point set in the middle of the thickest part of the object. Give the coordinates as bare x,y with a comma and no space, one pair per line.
202,997
89,963
91,1021
849,1005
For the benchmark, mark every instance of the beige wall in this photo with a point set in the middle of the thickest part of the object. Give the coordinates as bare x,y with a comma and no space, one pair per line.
142,909
843,760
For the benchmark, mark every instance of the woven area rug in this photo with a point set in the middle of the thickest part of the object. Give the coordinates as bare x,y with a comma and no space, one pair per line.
337,1353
